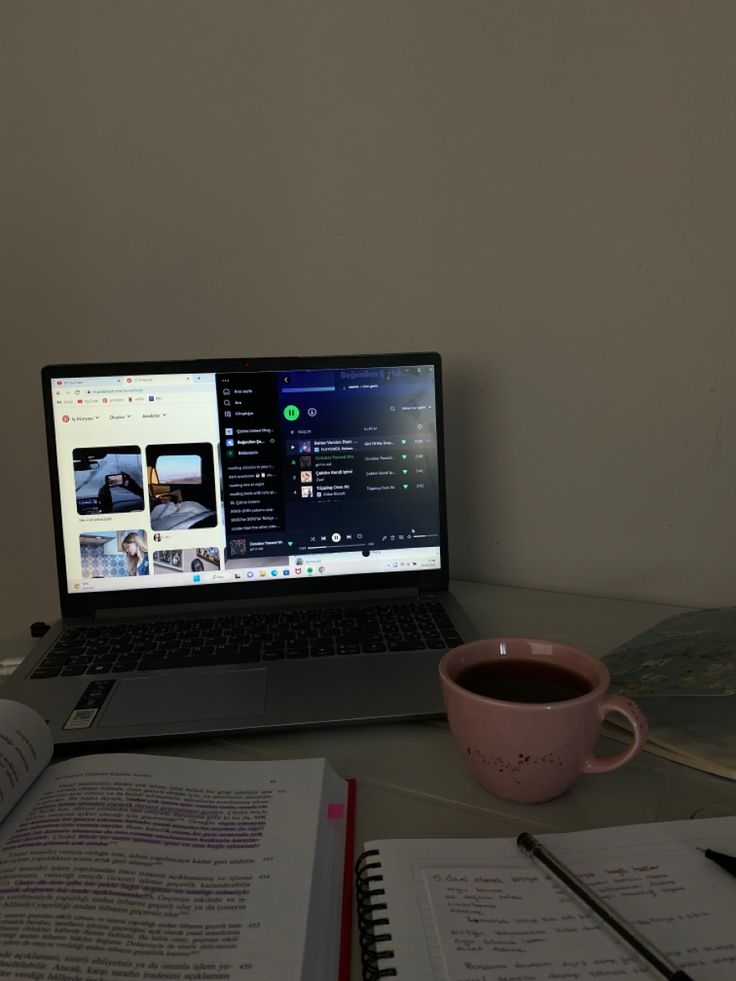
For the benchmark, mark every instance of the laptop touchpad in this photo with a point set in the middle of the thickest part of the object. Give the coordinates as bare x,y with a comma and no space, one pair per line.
219,695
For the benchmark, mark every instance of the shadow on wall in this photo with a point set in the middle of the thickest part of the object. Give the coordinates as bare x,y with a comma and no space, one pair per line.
474,469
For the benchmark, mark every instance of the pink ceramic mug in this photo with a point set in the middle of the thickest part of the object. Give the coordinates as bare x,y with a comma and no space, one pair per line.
529,750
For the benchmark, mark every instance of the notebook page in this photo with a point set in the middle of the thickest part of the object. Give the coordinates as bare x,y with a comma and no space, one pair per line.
521,921
686,898
415,942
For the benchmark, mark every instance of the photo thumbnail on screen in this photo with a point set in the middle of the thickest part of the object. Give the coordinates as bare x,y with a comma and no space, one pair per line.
108,479
181,486
113,554
186,560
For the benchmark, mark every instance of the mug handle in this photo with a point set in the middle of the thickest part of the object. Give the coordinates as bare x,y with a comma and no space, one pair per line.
631,711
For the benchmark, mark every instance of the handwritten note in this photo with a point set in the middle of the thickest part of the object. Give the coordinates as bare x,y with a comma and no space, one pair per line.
518,924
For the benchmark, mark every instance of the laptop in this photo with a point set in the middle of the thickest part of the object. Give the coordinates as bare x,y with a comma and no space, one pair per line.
244,545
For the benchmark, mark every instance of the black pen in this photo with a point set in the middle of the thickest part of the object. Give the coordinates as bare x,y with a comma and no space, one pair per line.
727,862
536,850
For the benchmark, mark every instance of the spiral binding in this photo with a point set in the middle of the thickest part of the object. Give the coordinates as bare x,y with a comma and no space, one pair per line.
369,924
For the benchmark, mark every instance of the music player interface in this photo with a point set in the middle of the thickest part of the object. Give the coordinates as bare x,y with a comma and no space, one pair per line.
330,460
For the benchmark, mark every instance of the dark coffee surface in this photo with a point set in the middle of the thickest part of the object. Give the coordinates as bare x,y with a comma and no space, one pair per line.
523,680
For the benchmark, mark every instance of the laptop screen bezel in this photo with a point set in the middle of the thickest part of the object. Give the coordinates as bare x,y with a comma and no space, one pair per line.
75,605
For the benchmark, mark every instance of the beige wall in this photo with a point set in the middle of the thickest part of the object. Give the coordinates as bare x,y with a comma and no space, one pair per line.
542,191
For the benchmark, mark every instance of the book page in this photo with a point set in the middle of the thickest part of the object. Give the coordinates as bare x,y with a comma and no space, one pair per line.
446,900
142,867
26,746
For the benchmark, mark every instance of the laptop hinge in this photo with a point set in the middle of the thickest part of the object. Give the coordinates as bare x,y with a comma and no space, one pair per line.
234,606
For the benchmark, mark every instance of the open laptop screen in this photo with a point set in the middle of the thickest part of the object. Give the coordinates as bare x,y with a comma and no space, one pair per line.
194,478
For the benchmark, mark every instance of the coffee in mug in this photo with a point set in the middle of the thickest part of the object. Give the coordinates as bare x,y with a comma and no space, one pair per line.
526,714
521,680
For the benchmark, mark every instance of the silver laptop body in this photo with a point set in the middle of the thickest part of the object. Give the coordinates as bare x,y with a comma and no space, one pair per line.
244,545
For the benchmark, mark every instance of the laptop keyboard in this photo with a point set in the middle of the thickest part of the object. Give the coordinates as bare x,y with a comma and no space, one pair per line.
248,638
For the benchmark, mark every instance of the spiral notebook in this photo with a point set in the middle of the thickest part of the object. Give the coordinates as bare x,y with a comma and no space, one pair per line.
454,910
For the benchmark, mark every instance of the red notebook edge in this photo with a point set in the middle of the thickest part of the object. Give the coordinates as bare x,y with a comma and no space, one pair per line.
346,914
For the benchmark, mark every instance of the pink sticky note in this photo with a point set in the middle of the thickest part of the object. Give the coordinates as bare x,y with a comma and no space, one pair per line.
335,812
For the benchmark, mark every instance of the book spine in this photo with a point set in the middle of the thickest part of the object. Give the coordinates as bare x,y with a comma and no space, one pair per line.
373,919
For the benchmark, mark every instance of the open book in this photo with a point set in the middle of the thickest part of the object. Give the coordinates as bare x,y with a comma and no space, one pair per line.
151,868
479,910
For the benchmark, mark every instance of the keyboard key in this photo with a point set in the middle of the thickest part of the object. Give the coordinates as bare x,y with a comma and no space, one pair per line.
347,648
197,660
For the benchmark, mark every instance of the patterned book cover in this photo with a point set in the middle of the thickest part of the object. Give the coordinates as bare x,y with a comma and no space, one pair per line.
688,654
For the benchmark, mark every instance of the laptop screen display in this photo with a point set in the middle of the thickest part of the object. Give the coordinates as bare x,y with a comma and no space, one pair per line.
190,479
